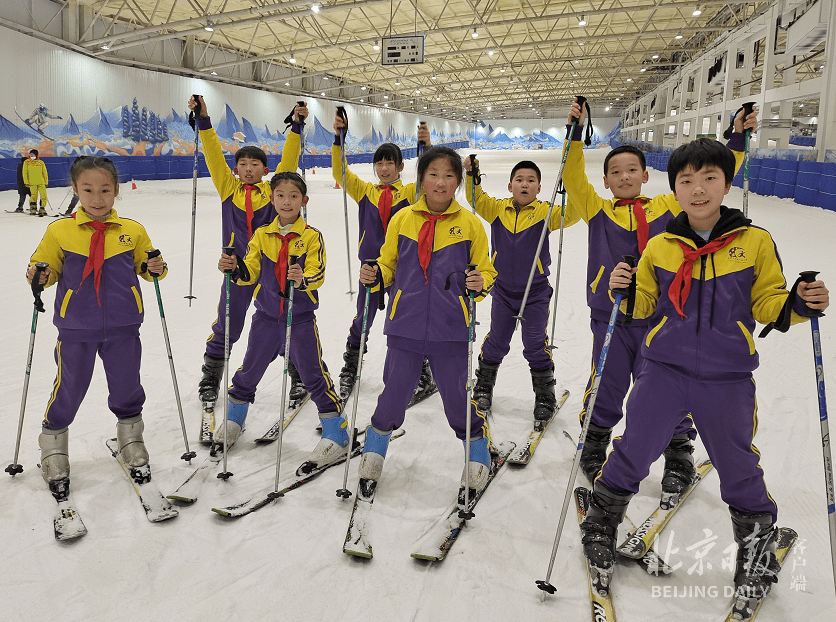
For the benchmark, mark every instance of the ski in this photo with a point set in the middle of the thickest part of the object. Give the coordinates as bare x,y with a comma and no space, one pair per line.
747,608
157,508
273,433
420,397
439,539
207,422
603,609
187,491
650,561
638,543
67,523
522,454
263,498
357,541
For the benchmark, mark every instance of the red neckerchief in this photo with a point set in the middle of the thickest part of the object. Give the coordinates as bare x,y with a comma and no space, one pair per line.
248,206
95,257
281,263
384,206
425,241
642,228
681,285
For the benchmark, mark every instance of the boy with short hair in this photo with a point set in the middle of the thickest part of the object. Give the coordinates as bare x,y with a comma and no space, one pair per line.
267,265
622,226
36,177
703,284
245,206
516,225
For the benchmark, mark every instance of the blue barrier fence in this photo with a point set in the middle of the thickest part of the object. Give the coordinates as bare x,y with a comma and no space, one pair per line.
142,168
808,183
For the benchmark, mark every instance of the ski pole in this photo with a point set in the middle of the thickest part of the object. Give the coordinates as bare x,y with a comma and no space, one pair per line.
302,154
343,133
14,468
225,474
747,110
193,121
419,151
466,513
551,345
809,277
581,101
619,295
344,492
472,157
289,286
189,454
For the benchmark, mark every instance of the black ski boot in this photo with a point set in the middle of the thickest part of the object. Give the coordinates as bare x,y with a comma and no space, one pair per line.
297,392
485,381
600,530
348,374
544,399
210,384
679,470
757,565
426,385
594,451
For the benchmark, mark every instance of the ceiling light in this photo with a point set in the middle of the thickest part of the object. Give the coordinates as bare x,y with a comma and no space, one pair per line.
324,77
208,28
214,74
617,98
574,75
438,99
397,82
801,105
385,105
105,47
292,59
500,71
643,69
418,91
580,42
475,34
678,37
376,45
315,8
323,94
287,83
362,88
433,77
655,56
489,108
607,108
629,79
582,21
697,13
411,101
490,52
385,97
425,107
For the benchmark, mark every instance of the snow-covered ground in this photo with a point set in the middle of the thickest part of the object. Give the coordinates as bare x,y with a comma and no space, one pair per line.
285,561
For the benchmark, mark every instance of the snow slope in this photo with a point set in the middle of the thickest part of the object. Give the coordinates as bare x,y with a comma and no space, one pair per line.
285,561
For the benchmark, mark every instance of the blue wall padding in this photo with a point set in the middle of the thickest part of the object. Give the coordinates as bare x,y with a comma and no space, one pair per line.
786,175
807,183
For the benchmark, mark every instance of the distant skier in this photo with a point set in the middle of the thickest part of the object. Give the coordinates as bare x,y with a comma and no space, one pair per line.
39,119
22,188
35,176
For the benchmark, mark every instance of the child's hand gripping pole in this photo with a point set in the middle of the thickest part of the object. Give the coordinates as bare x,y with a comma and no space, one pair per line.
14,468
225,474
581,100
288,293
827,456
619,296
344,492
343,133
196,112
188,455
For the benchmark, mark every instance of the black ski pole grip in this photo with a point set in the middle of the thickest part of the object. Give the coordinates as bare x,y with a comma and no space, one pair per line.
37,288
808,276
343,115
632,262
196,112
301,103
229,250
154,252
291,261
470,268
748,107
381,305
581,100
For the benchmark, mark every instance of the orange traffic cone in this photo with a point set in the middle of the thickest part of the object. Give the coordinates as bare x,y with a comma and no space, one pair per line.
336,186
133,185
313,171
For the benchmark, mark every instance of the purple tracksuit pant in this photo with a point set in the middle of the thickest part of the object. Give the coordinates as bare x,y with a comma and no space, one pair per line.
504,306
624,363
401,372
725,413
357,323
76,359
266,343
240,297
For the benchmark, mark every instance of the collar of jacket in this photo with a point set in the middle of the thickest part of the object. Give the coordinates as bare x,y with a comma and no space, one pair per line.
631,201
730,219
81,217
298,226
421,206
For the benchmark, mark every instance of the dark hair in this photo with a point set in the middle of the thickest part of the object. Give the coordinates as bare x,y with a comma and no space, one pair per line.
253,152
390,152
294,178
699,153
625,149
526,164
35,151
86,163
434,153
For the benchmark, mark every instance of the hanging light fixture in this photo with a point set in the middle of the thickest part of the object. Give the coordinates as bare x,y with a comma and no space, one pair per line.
582,21
292,59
